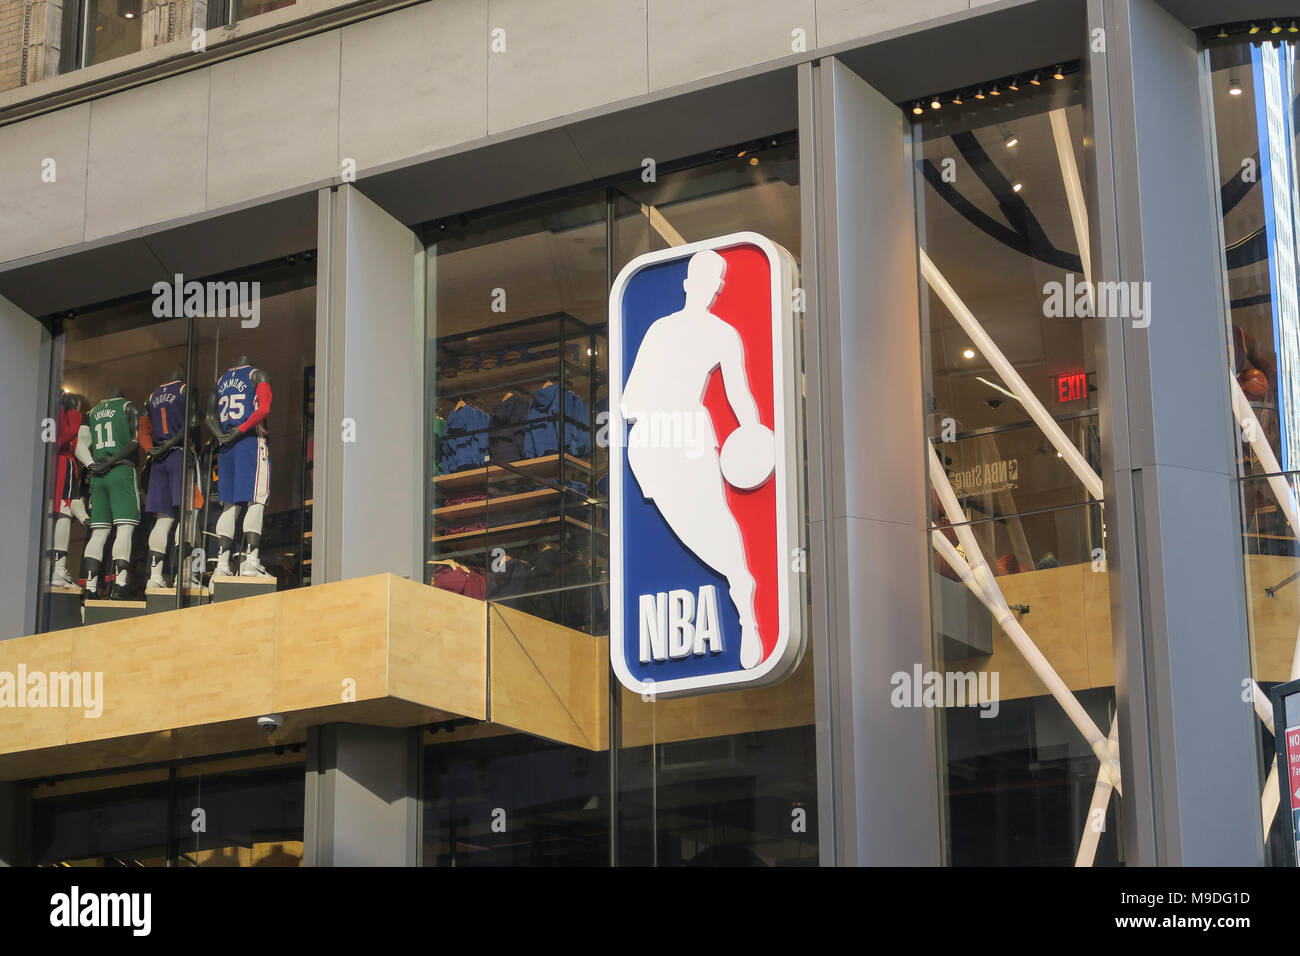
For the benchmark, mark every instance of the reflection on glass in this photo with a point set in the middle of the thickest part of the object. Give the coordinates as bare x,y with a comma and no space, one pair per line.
1012,402
1254,94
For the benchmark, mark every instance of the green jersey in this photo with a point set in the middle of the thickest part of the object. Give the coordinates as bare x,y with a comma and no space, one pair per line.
110,430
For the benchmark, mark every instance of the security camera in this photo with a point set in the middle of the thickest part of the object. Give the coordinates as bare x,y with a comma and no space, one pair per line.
271,722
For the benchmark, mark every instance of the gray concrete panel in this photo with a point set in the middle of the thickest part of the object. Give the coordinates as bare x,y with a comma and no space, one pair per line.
40,215
689,40
563,56
413,81
148,155
274,120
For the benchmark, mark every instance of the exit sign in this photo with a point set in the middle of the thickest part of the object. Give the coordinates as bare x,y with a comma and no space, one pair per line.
1071,387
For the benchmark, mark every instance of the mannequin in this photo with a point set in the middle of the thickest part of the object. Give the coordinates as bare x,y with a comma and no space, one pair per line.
65,499
236,419
168,406
106,445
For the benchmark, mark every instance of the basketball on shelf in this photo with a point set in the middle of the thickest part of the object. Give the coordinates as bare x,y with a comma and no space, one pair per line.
748,456
1254,383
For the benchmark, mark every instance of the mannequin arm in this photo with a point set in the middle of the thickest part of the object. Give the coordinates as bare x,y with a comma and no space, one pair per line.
83,445
127,450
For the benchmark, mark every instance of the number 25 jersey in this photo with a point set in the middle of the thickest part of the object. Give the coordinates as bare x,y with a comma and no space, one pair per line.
237,398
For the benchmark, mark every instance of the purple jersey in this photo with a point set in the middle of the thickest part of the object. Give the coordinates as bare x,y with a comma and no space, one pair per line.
167,410
236,396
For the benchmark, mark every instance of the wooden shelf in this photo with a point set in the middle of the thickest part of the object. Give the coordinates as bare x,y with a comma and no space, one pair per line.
503,376
548,466
483,537
493,506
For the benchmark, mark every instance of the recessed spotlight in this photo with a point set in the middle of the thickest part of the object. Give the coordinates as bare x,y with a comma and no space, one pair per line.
968,353
994,91
956,100
1036,79
1223,33
1234,84
753,160
1293,28
1016,187
1254,28
1276,28
1013,87
1058,75
935,104
916,109
1011,142
980,95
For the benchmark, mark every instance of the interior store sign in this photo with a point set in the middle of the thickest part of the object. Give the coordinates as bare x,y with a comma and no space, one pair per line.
706,572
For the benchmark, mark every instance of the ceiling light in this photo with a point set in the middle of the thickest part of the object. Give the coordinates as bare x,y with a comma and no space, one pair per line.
980,94
1013,87
1254,28
1012,141
1057,74
1036,79
916,109
956,100
753,160
994,91
968,353
1016,187
935,104
1234,84
1223,33
1277,27
1293,28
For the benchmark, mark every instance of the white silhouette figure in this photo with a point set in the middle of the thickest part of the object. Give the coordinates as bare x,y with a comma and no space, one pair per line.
672,370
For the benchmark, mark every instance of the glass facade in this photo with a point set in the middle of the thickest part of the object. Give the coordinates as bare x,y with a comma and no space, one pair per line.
1011,401
518,515
238,363
1253,92
242,812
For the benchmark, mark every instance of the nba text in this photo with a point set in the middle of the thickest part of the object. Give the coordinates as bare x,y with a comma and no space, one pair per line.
677,624
213,299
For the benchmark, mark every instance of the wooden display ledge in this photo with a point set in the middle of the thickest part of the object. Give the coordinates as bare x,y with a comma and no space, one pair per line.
483,537
193,682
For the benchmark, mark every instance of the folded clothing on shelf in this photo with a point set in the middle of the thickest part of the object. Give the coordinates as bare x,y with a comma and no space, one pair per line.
549,404
470,582
465,442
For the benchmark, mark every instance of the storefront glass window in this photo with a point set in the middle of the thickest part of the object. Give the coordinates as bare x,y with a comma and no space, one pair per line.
131,430
1011,402
518,516
1253,91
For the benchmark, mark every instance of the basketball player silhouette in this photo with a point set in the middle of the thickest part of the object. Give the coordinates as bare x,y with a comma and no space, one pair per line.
664,393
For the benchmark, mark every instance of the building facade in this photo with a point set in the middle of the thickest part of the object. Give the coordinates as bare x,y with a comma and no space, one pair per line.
1048,320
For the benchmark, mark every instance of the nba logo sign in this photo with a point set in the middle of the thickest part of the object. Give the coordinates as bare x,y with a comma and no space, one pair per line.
705,505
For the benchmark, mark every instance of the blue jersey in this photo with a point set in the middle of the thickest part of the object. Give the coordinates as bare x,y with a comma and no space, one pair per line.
236,397
167,410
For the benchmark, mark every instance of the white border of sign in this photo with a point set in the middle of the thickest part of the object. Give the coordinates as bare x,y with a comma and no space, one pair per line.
787,395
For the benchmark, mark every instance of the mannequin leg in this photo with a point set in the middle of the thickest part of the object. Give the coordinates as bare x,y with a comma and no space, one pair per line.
93,559
122,557
158,550
251,565
226,538
59,536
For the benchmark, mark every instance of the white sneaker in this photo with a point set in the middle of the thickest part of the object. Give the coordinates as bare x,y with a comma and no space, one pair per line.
155,582
222,571
252,568
60,579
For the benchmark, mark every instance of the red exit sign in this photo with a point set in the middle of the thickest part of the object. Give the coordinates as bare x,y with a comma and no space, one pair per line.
1071,387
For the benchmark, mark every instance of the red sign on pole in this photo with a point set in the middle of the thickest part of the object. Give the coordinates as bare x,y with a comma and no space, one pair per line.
1293,765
